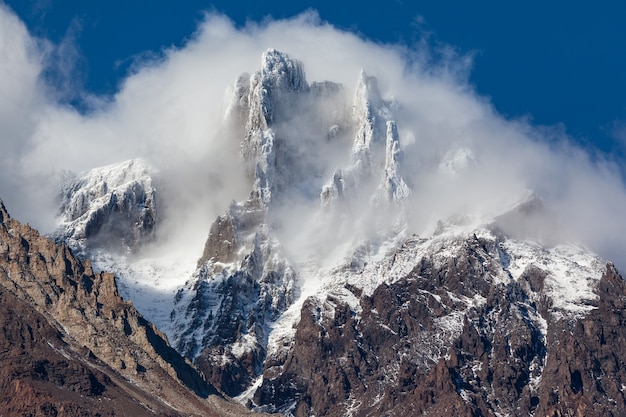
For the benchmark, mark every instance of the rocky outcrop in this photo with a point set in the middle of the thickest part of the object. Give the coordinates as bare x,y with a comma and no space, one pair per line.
81,316
455,335
375,169
112,207
273,92
223,314
584,372
221,244
392,186
43,374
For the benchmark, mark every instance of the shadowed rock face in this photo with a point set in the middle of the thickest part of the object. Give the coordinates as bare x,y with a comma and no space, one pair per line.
585,373
69,340
41,374
416,347
221,242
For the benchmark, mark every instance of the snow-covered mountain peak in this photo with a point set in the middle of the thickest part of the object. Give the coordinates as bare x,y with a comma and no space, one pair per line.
326,229
99,181
272,89
281,71
112,206
370,113
269,98
375,163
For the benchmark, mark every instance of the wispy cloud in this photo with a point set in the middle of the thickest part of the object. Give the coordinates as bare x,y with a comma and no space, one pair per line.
169,110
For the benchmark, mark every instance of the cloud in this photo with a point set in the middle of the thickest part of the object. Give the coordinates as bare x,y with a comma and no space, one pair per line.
169,110
63,66
23,99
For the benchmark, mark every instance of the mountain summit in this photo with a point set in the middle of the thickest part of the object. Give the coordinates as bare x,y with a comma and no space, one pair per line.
316,295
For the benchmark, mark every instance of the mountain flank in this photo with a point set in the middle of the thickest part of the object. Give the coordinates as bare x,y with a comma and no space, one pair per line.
72,346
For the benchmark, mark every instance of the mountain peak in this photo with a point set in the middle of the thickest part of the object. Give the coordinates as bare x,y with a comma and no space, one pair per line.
283,71
392,185
311,289
109,205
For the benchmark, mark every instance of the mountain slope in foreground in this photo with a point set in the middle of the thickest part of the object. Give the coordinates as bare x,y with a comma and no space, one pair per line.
71,346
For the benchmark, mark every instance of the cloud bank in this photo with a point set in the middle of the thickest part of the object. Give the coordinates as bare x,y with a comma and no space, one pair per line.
169,110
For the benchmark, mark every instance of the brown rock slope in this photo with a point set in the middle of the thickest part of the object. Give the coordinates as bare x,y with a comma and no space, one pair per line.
72,346
511,355
41,374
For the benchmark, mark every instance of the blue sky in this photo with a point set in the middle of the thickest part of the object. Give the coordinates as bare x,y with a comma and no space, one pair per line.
553,61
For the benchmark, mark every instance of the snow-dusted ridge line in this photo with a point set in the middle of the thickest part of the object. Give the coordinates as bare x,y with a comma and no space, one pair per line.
241,303
572,271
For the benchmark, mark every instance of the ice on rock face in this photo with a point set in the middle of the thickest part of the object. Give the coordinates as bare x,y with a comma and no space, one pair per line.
370,115
334,190
375,151
271,90
243,251
237,108
393,187
112,206
244,280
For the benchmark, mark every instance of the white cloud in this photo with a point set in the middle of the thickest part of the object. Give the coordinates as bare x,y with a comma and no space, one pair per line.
169,111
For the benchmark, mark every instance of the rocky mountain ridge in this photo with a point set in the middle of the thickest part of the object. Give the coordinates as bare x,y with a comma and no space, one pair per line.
454,329
312,296
72,315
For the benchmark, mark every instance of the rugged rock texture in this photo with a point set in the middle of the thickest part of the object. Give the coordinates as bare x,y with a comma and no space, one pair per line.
312,298
42,375
223,314
221,244
585,369
81,338
374,171
244,281
452,338
112,207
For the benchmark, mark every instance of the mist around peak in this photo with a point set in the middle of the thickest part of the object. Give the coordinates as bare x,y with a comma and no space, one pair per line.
458,155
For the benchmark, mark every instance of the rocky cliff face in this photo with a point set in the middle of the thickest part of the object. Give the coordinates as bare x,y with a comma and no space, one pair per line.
72,326
43,374
112,207
245,281
459,333
312,297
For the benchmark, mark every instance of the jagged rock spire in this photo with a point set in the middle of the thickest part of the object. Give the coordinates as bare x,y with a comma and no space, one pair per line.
272,90
4,215
375,150
393,187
